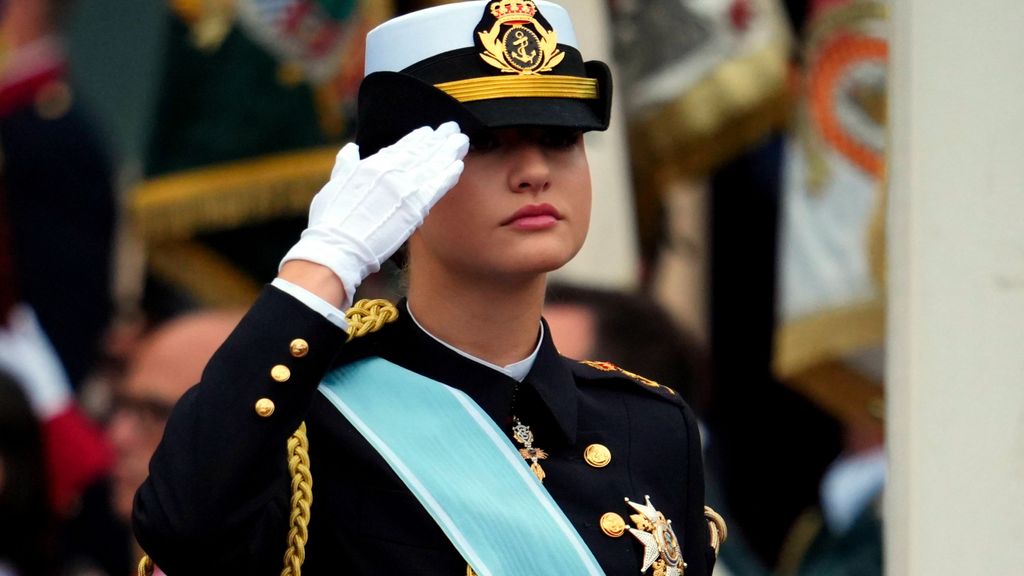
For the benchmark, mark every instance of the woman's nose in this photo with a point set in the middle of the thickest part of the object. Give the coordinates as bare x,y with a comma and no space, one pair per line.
531,171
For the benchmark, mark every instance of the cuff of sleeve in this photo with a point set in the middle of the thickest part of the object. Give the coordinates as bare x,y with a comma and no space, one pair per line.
312,301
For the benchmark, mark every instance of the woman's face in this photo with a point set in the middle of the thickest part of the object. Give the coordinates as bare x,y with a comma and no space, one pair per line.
520,208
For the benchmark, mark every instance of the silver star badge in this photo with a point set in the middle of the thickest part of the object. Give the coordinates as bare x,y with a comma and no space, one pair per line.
661,547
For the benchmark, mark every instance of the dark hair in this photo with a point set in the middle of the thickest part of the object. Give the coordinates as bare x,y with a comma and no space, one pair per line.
637,334
25,517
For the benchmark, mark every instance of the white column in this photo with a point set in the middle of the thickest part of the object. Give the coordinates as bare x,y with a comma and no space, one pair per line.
955,501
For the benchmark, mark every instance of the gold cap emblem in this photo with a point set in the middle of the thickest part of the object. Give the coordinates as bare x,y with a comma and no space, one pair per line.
518,41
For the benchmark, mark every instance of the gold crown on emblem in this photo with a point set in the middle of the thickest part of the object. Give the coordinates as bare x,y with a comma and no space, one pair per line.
513,11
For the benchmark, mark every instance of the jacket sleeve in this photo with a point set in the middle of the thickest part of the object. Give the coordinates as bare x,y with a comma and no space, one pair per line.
216,499
697,536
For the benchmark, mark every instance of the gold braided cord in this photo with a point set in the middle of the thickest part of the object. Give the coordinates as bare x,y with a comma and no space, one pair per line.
521,86
364,317
302,499
716,525
368,316
145,566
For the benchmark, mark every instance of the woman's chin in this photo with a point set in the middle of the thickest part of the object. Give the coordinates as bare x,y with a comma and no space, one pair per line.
541,261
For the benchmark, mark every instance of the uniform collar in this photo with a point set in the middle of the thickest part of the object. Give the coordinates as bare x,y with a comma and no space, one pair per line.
406,344
554,382
516,370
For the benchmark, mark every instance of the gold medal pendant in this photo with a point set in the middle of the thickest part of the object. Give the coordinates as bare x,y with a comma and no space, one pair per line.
522,433
661,547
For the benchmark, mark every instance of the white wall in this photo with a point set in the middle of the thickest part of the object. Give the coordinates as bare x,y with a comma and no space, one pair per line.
955,502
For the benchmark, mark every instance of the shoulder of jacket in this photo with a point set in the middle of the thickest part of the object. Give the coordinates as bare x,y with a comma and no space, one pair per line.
368,316
370,325
596,370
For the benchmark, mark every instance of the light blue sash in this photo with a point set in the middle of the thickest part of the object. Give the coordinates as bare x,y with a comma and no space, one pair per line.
463,470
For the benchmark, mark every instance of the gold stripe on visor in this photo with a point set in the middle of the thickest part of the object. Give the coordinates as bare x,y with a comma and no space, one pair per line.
522,86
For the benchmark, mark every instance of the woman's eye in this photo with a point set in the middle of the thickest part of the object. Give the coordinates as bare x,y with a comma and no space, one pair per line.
561,138
483,142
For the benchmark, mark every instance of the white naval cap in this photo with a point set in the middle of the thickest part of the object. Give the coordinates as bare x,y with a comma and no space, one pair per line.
484,64
410,38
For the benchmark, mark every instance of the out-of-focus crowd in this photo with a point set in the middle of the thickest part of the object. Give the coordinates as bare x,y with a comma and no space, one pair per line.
729,176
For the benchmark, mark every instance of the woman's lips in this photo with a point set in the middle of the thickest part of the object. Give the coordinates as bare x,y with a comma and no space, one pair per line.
534,217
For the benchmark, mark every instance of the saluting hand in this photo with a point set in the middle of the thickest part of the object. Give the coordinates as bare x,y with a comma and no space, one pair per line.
370,207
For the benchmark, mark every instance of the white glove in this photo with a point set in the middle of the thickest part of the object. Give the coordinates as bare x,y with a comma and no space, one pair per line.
27,355
370,207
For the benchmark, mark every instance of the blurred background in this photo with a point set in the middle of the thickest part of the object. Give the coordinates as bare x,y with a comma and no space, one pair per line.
158,158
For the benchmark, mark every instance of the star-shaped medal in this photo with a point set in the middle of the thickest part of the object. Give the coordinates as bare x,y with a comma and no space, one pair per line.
661,547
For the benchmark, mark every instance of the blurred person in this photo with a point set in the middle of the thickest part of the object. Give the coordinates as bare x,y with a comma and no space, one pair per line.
632,329
56,228
167,362
849,539
422,436
92,478
754,414
628,330
57,198
841,533
75,454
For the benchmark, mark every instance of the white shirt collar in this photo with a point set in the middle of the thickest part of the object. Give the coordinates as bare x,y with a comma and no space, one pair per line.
516,370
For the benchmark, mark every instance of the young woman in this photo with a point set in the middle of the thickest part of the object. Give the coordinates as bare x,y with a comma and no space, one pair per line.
422,435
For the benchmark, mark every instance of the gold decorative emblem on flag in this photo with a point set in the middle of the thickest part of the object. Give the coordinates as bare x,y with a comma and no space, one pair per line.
661,547
518,42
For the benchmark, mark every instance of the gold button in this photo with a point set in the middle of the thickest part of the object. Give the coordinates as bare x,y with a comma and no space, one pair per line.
280,373
597,455
299,347
264,407
613,525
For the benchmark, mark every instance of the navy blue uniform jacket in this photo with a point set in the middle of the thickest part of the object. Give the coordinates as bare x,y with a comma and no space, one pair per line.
217,498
